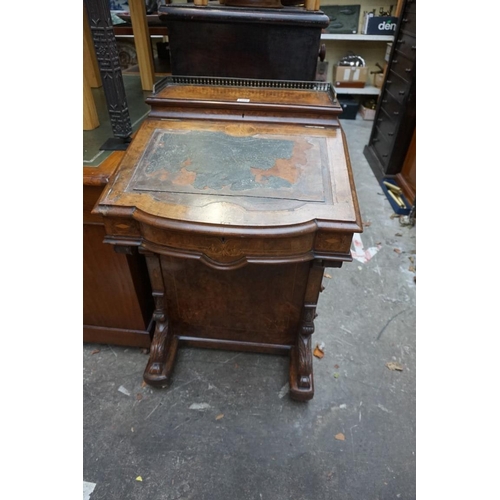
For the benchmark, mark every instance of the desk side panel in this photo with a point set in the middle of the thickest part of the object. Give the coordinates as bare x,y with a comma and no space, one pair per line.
117,302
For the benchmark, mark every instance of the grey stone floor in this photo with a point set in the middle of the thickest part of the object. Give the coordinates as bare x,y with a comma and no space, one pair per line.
247,439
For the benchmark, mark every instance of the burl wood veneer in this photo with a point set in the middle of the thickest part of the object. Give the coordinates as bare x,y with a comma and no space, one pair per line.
239,193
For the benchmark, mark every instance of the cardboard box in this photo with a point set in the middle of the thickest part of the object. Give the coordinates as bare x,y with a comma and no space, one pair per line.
350,76
378,80
379,25
367,113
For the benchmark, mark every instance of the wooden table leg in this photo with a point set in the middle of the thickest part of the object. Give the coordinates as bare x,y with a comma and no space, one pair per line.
142,43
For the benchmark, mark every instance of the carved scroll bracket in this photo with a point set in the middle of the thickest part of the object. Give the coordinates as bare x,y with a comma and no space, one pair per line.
164,344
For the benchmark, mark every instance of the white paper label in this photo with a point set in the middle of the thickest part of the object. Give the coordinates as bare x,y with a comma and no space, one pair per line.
242,100
347,74
355,76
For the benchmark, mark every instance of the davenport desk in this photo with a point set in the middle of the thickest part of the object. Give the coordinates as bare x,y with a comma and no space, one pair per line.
239,193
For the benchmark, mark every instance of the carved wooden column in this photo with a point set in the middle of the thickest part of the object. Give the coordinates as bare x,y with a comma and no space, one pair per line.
106,50
301,374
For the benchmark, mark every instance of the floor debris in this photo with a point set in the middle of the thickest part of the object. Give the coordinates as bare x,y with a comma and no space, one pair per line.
123,390
340,437
394,366
138,478
358,251
218,417
328,276
95,351
88,488
200,406
319,350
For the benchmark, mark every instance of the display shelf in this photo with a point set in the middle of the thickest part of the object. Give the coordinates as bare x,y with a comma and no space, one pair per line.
367,90
357,38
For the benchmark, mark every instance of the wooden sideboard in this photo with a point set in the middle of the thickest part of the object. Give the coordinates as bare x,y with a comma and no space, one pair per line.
117,302
239,193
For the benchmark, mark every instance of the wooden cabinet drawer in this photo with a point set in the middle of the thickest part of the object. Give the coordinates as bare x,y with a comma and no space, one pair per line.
396,86
382,146
386,125
403,67
391,106
405,45
409,21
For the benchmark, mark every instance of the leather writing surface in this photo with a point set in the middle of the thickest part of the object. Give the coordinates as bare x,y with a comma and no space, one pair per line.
218,163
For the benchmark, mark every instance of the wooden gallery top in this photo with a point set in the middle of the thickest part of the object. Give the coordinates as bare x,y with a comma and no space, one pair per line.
239,192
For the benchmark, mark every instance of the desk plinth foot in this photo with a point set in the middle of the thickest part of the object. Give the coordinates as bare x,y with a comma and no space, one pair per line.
162,357
300,388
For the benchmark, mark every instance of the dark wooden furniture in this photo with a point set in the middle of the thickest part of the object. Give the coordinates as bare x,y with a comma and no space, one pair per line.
395,117
101,27
407,178
269,43
117,302
239,193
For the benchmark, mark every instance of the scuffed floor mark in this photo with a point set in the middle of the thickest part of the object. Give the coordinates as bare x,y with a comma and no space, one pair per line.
387,324
88,488
200,406
359,253
284,391
383,408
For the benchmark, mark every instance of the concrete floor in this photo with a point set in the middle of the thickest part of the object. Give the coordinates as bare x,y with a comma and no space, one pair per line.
226,428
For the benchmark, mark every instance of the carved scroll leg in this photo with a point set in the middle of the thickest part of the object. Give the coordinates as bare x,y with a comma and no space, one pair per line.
164,345
301,362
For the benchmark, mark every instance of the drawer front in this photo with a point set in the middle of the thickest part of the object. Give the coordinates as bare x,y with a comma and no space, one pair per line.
386,125
406,46
396,86
382,146
392,107
409,21
403,67
222,250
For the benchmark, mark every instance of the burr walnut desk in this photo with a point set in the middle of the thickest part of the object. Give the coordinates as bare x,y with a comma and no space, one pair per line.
239,193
